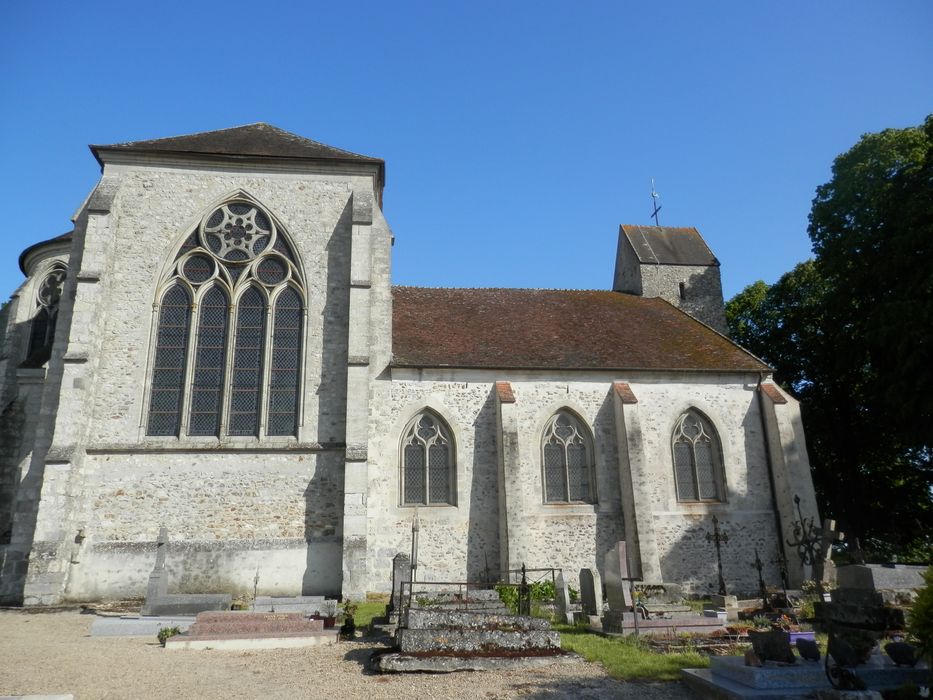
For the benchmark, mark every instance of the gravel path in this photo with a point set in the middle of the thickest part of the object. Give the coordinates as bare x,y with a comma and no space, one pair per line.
53,653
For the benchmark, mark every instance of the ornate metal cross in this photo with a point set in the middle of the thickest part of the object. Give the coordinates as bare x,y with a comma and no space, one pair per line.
718,538
654,200
762,589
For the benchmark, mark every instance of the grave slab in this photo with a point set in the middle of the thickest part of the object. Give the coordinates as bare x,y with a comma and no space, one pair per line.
137,625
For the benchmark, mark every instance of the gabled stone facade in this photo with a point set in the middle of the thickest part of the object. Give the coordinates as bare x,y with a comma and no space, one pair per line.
388,413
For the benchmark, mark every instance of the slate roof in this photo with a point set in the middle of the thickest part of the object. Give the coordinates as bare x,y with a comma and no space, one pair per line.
669,245
63,238
259,139
554,329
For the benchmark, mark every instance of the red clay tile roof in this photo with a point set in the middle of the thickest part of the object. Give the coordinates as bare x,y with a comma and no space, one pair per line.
258,139
553,329
504,392
773,393
625,392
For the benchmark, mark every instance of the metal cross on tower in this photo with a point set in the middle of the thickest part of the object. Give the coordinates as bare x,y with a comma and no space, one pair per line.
654,200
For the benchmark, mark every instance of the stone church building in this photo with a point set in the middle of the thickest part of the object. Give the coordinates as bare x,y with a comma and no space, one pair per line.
217,348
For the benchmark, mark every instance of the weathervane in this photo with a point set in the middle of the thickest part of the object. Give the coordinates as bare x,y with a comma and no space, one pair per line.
654,200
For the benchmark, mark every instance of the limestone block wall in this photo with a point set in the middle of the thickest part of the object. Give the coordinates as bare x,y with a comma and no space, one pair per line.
572,536
129,241
456,541
157,208
747,514
228,515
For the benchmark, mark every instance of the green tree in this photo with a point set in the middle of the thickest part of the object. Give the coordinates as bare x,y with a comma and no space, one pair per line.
849,334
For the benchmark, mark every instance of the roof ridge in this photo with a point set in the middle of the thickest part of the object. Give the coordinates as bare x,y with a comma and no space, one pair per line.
506,289
180,136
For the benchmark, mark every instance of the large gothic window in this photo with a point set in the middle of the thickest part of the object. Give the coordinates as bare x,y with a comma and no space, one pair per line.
230,322
42,329
567,456
428,464
697,459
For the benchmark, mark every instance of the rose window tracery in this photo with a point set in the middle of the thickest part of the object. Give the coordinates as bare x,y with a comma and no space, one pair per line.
237,232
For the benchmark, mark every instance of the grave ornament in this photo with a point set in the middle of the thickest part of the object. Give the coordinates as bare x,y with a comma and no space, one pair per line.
719,539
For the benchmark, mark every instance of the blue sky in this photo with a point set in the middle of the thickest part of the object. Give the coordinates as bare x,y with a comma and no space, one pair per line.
517,136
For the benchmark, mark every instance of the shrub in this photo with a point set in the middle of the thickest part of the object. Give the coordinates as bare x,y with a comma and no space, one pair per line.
921,617
167,632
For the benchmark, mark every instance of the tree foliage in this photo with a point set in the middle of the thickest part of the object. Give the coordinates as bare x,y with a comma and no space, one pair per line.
850,334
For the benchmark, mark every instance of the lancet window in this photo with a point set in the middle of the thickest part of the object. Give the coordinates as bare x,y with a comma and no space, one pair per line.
42,329
697,459
229,330
567,456
428,463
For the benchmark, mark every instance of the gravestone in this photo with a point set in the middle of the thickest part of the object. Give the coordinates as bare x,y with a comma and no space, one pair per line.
562,600
160,602
618,585
824,570
401,572
591,592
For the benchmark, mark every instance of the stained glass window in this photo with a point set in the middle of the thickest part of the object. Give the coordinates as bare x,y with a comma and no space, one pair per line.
697,461
567,454
246,383
224,386
168,375
427,462
42,330
210,360
285,372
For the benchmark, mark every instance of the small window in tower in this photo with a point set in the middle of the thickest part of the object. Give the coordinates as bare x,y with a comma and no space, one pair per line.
683,290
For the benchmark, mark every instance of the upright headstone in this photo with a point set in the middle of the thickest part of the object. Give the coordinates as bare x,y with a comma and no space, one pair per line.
824,570
158,579
591,592
401,572
618,585
562,600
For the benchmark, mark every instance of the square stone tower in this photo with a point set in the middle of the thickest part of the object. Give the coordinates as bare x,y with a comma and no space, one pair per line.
674,264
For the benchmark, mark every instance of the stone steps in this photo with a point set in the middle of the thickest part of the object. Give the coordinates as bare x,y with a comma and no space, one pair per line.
445,641
445,619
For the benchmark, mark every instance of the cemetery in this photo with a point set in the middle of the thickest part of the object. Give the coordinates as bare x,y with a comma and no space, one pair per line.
844,635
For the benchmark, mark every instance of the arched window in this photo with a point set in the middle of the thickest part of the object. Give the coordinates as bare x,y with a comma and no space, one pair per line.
228,270
567,456
428,463
697,459
42,330
168,373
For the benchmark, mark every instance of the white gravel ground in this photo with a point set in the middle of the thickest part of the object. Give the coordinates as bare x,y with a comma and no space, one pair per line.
47,653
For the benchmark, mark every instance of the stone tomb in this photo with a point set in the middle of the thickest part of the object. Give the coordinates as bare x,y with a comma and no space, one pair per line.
449,640
250,630
159,602
729,678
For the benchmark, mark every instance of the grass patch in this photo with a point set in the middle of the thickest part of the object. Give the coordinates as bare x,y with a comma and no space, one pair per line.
366,611
628,658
